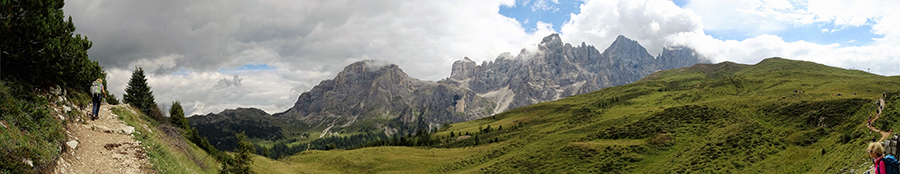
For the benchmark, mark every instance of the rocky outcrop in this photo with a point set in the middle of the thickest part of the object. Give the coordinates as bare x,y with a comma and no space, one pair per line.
557,70
372,90
679,57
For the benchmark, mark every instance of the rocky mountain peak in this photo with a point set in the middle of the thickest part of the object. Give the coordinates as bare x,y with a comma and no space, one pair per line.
679,56
625,52
624,42
366,70
369,65
462,69
552,39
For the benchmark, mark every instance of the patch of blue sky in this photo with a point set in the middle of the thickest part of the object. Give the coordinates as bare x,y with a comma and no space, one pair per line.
528,14
248,68
680,3
814,33
822,34
182,72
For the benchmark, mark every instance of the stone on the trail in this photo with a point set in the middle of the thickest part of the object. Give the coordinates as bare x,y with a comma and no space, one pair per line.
72,144
61,117
67,108
128,129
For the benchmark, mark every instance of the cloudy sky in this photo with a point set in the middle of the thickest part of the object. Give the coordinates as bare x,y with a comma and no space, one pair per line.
218,54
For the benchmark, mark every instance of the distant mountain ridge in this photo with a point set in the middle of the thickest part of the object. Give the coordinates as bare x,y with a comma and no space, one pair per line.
560,70
378,96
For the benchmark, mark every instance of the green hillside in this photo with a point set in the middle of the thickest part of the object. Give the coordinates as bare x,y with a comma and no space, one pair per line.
708,118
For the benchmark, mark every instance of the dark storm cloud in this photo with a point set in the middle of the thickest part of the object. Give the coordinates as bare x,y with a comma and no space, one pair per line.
224,83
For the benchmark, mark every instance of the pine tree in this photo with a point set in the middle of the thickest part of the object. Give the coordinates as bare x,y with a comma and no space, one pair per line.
244,150
176,116
138,93
38,46
111,98
242,156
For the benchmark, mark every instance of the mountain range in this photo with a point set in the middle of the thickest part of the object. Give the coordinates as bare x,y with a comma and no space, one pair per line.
777,116
557,70
371,95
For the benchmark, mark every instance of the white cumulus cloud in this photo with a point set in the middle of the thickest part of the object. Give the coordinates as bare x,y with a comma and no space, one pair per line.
649,22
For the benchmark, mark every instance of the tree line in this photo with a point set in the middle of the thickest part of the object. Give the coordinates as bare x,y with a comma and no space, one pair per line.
421,138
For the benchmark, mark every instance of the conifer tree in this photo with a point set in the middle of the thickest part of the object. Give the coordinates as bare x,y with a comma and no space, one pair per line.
111,98
176,116
38,46
242,158
138,93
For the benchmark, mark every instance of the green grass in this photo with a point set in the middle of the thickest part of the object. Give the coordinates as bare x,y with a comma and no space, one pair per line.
163,149
30,131
721,118
367,160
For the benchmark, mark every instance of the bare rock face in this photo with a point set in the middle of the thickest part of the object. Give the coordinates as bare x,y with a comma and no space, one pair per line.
463,68
557,70
375,90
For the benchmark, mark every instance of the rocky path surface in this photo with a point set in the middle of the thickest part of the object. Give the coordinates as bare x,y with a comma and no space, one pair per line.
104,145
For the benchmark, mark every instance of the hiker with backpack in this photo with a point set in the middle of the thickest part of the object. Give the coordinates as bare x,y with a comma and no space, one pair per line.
97,94
884,163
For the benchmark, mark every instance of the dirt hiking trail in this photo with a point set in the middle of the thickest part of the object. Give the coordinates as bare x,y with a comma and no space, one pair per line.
878,111
104,145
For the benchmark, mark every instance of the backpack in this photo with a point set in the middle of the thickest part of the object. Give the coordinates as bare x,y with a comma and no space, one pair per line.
890,164
96,89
